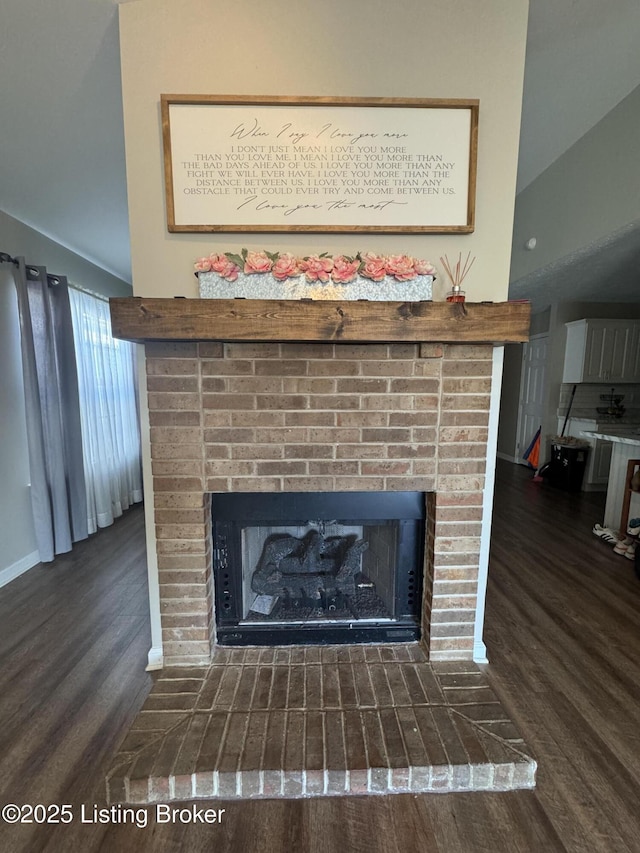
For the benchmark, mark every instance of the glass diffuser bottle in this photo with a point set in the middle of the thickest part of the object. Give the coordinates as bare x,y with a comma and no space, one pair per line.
456,274
456,294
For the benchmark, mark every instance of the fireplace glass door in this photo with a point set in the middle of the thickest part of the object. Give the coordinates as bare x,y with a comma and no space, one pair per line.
317,567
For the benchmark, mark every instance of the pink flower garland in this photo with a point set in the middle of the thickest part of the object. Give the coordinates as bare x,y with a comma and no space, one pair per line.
340,269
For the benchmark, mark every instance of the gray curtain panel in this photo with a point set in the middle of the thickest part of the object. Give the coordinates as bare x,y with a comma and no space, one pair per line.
58,495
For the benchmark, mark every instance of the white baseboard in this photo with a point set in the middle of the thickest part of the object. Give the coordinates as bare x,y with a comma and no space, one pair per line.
155,659
594,487
508,458
19,568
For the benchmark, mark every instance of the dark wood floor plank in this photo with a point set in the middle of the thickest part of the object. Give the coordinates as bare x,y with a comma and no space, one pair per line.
73,648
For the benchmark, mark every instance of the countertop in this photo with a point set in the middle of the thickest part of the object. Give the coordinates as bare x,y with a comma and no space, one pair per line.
622,437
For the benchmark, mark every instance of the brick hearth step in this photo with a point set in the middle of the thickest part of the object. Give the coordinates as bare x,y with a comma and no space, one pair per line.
311,721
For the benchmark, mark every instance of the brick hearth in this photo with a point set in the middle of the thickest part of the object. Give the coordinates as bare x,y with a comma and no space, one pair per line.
311,721
274,417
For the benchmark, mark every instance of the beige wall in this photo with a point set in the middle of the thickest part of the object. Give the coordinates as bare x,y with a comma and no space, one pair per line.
440,49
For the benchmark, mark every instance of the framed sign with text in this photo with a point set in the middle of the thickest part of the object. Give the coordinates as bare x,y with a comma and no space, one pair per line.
319,164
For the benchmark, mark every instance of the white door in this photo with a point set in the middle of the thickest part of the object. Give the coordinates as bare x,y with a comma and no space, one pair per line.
532,385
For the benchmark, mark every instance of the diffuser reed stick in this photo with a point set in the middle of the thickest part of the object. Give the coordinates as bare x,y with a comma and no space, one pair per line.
457,275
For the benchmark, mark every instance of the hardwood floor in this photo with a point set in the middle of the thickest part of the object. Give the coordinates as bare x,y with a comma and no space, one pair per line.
562,630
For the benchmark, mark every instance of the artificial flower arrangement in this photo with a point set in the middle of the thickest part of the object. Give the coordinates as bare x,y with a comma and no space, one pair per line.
340,269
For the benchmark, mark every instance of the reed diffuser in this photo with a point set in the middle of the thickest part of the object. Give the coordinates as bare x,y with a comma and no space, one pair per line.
456,275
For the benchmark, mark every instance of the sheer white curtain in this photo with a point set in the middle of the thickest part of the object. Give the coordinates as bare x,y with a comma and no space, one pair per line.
108,411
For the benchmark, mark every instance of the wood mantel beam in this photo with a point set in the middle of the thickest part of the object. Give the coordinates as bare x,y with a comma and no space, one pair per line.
143,319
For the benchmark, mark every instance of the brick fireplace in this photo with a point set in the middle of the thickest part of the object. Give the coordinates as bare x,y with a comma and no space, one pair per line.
294,417
351,398
274,397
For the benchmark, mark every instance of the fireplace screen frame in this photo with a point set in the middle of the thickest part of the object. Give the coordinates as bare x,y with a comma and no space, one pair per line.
234,512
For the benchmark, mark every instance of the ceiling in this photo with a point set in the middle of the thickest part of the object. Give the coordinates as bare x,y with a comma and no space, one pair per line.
62,122
614,259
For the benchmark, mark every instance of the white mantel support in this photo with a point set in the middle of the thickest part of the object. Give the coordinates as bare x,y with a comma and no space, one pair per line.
479,647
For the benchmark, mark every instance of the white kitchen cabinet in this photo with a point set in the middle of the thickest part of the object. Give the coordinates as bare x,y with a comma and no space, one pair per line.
598,470
602,351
